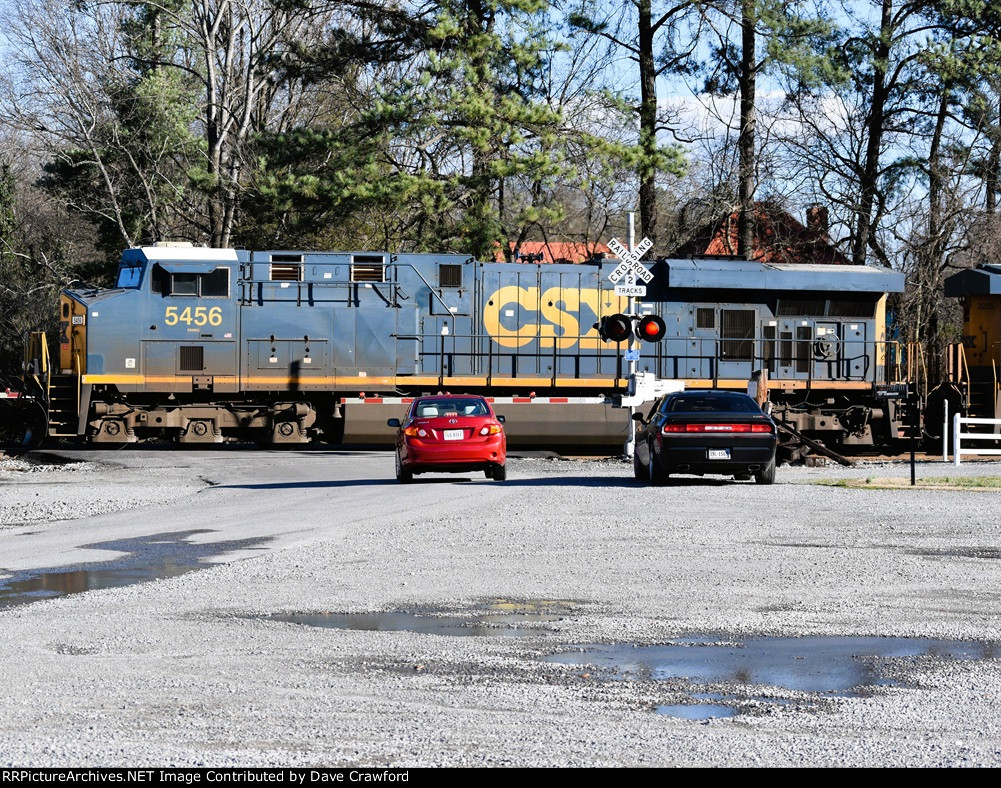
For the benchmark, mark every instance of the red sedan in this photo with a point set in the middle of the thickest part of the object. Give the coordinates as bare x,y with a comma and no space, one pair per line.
449,433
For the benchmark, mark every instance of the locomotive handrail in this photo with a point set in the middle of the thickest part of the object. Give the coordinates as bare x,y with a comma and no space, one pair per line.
994,369
964,365
453,361
36,349
420,276
917,370
79,376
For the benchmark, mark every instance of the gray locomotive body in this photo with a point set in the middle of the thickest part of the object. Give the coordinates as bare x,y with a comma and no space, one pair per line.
208,345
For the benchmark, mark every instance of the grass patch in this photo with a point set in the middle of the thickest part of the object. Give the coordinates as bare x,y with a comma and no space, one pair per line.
986,483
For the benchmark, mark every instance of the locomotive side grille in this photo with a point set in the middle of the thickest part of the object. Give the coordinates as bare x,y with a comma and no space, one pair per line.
768,351
449,275
737,334
785,348
804,336
286,272
368,268
851,309
705,317
192,359
793,307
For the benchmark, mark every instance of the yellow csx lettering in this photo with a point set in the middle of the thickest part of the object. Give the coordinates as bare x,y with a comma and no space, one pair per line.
556,319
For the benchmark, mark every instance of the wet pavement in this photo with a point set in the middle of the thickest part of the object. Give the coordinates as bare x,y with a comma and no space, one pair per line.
147,558
825,666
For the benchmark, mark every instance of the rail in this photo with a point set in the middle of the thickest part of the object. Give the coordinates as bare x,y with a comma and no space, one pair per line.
958,436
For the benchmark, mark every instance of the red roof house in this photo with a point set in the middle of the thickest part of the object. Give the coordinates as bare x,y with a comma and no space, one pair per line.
552,252
778,237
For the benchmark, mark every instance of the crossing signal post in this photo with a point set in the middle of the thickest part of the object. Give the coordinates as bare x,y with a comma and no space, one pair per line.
619,328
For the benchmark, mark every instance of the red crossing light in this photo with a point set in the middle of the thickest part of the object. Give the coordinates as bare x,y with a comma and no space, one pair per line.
651,328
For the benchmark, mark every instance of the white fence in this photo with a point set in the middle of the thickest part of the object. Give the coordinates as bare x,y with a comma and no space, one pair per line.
958,436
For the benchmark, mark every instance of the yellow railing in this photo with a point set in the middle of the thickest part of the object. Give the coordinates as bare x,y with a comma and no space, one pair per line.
916,368
36,360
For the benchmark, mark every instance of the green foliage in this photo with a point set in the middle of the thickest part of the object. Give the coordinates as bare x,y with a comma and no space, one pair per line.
129,179
473,123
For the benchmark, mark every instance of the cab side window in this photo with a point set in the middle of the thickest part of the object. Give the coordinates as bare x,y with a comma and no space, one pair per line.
184,284
190,285
216,284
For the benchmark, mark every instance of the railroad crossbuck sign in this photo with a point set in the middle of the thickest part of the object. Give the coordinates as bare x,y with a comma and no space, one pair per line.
630,260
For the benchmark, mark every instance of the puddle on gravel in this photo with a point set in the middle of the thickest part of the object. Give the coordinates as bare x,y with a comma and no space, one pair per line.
148,558
830,666
499,618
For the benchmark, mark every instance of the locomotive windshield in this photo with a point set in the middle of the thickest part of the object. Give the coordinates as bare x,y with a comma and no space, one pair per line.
129,275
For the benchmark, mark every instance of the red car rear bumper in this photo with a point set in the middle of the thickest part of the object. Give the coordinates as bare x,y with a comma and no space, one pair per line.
475,454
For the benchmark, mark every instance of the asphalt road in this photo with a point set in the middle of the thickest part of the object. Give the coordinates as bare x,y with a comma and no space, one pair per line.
181,654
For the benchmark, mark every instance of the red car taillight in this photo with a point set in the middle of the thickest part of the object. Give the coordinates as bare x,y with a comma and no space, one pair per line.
490,429
722,428
414,431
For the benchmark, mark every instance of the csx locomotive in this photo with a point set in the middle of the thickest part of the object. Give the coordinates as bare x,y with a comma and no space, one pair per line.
209,345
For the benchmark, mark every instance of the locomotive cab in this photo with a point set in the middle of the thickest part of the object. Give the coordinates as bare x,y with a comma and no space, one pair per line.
975,363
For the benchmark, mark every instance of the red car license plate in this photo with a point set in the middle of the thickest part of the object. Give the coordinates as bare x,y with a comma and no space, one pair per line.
454,435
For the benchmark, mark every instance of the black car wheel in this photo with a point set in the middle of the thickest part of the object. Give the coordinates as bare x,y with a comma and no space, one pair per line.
766,475
639,469
500,473
403,476
658,474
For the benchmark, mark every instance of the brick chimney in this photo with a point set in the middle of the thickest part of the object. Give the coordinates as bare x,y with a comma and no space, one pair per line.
816,219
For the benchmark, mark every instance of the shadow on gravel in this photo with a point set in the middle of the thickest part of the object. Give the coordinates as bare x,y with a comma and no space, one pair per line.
550,481
149,558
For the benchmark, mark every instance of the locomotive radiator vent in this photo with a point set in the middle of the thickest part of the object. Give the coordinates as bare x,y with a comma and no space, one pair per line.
853,308
192,359
368,268
286,270
449,275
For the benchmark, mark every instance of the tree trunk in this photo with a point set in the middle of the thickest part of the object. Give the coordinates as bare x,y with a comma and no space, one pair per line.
931,256
745,140
648,124
865,225
993,175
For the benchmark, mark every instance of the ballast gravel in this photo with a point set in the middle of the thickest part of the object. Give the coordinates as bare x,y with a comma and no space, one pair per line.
198,669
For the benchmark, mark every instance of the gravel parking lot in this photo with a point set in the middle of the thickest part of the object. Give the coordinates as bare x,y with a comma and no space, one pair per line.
202,668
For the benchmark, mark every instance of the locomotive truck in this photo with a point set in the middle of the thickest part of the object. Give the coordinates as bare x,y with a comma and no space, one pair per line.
203,345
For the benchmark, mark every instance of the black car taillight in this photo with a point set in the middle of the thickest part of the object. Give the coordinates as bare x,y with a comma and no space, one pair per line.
721,428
